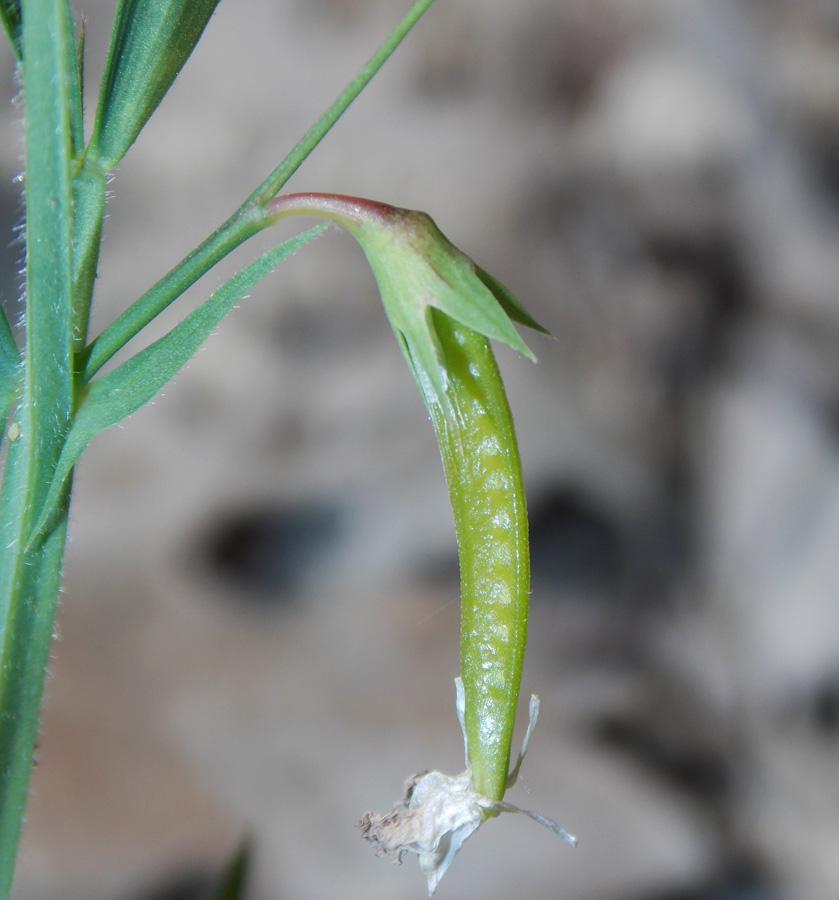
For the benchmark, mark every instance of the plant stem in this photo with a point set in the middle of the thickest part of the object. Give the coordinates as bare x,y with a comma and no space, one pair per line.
29,578
280,176
88,207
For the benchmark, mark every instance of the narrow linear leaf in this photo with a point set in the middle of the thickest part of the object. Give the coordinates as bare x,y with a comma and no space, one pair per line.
9,368
151,41
88,207
75,81
29,580
10,17
49,54
9,354
115,396
233,881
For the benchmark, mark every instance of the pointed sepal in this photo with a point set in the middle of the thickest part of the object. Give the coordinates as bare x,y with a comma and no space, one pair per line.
418,269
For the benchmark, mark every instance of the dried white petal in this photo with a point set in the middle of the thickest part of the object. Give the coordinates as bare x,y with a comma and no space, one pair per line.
439,812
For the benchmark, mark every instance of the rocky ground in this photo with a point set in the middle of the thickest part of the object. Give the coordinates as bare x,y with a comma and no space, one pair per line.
259,622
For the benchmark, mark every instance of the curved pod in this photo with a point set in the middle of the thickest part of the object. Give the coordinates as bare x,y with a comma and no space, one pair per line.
481,461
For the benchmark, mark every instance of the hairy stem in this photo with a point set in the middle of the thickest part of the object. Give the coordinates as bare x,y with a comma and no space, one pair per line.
29,578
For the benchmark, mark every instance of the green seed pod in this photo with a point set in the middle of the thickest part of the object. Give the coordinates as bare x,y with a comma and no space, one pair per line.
481,460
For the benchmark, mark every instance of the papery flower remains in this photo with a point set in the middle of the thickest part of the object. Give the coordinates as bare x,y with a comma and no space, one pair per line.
439,812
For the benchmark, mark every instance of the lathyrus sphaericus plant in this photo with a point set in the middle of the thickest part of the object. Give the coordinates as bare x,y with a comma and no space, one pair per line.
53,399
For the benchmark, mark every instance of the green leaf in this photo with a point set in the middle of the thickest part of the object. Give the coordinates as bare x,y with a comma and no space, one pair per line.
233,880
88,208
10,17
75,76
9,369
113,397
29,577
49,41
151,41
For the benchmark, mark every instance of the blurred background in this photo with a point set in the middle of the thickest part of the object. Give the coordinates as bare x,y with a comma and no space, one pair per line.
259,624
